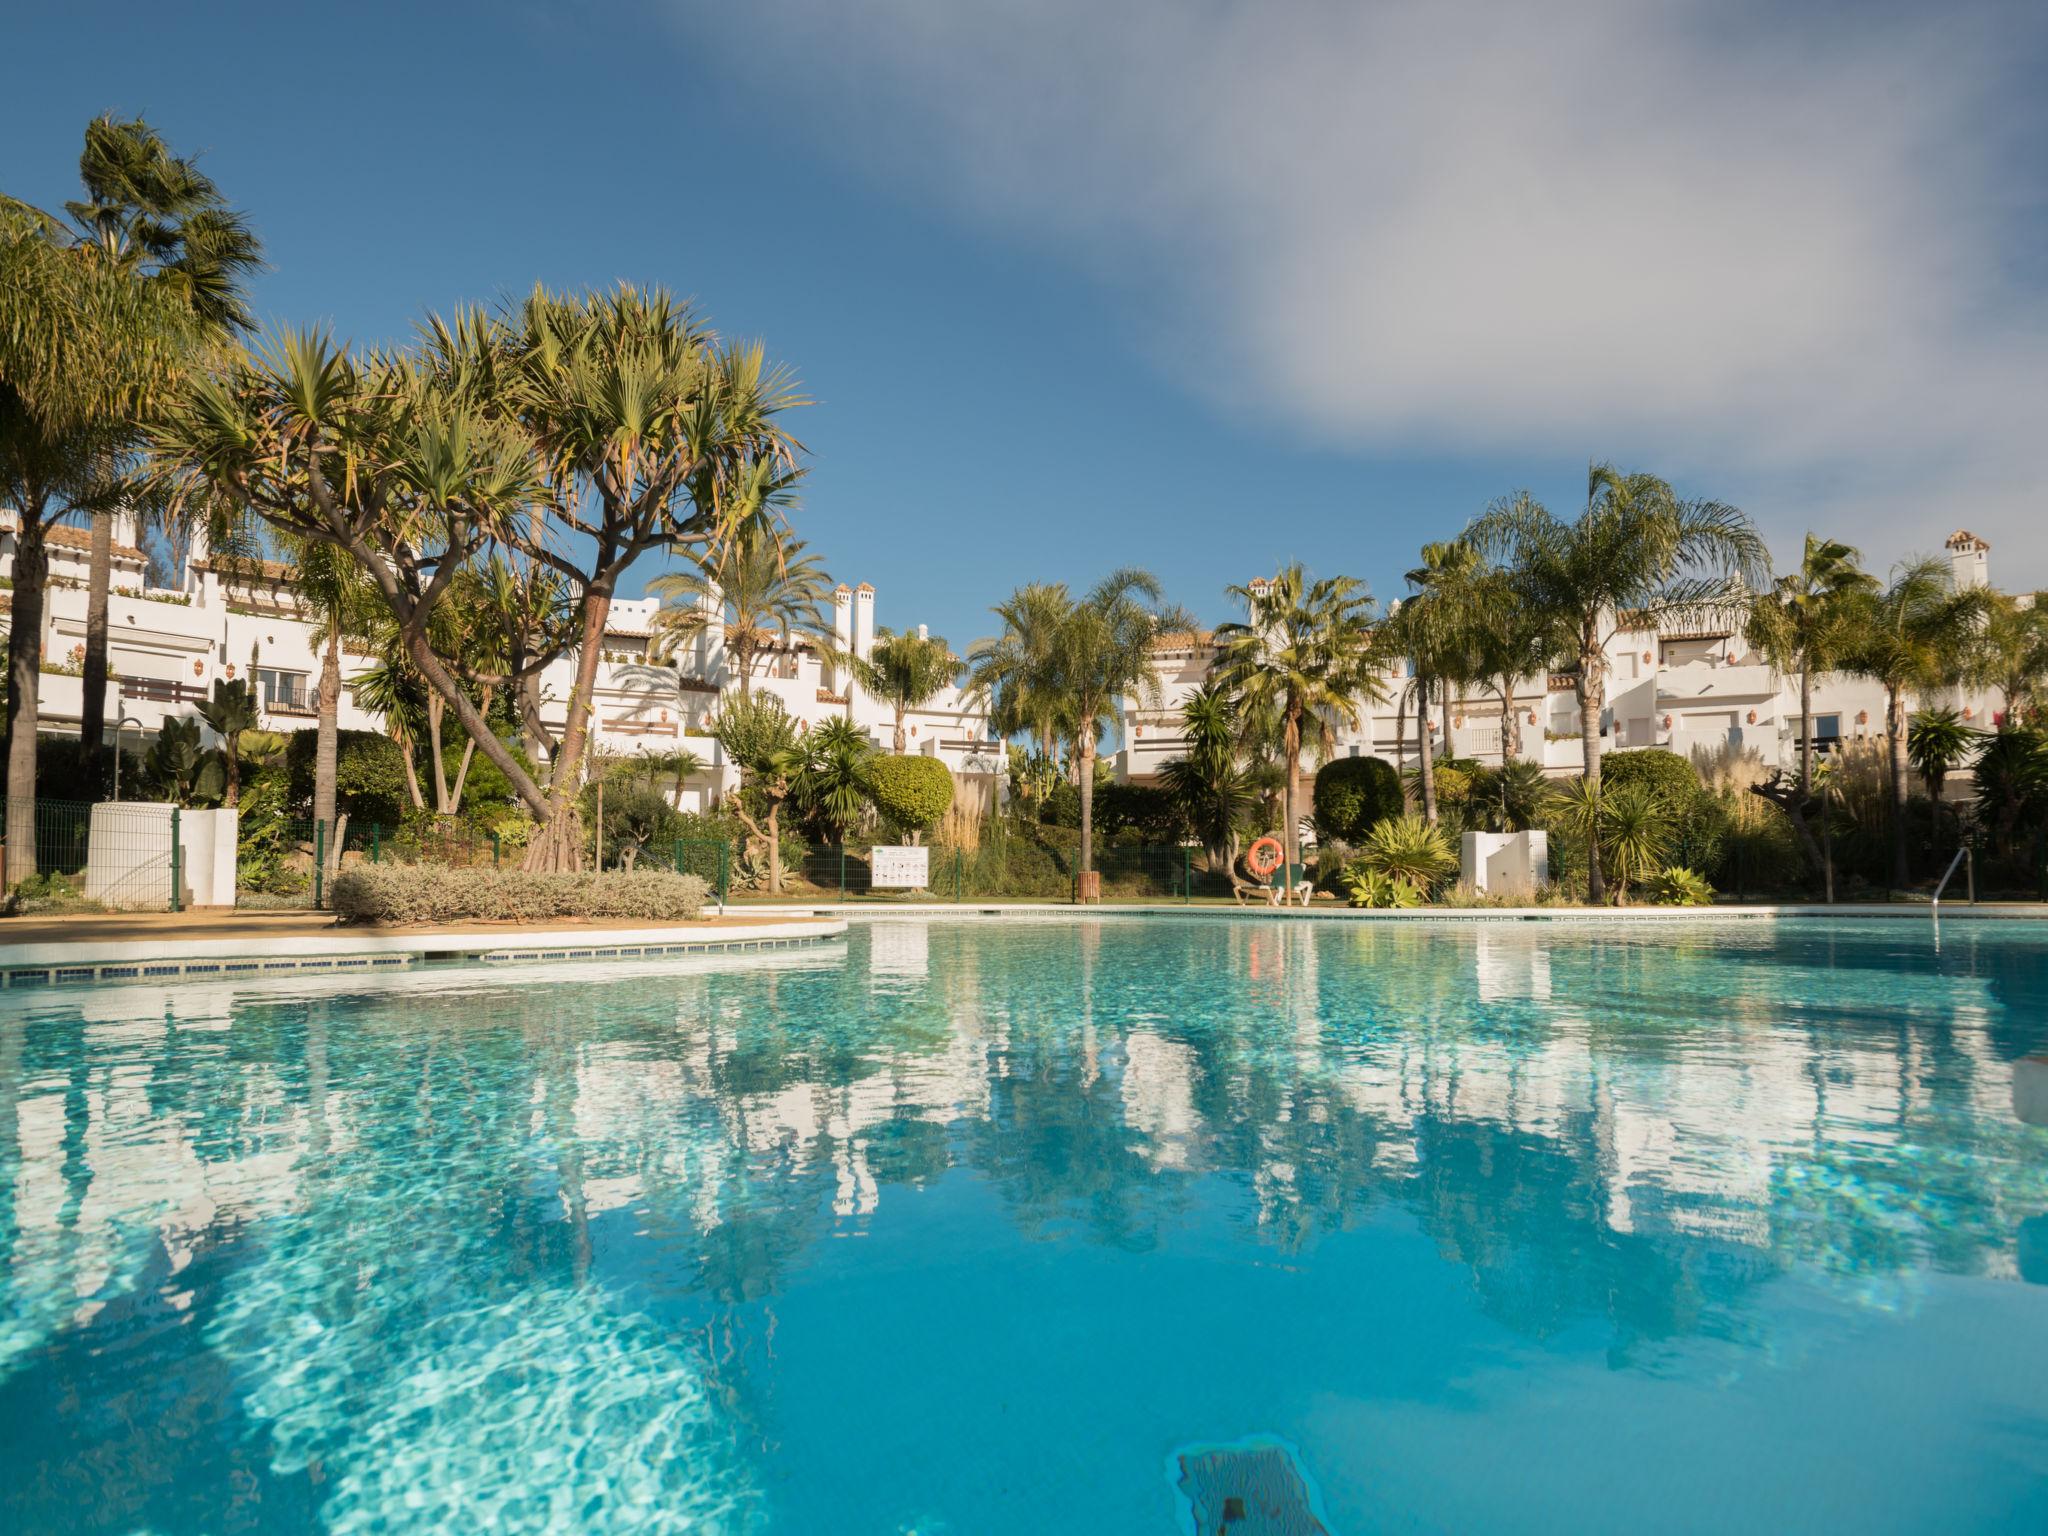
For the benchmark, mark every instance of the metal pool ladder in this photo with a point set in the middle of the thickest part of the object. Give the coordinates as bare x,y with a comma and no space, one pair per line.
1963,855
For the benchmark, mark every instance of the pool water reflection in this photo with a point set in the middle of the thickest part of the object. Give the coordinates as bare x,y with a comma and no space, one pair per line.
966,1227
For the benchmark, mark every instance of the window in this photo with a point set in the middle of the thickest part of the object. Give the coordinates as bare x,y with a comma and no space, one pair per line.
1827,727
283,690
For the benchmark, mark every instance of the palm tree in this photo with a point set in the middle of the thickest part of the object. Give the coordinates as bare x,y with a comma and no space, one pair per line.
1301,656
231,712
1639,555
335,593
906,672
1434,627
1212,790
831,783
1509,643
89,351
761,738
760,583
1100,654
1012,673
1937,742
1800,624
2015,653
1918,634
157,218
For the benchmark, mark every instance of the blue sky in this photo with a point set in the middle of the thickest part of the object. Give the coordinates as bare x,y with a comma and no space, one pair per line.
1199,288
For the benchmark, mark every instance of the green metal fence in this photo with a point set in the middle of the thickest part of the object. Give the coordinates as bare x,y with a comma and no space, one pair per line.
133,859
708,858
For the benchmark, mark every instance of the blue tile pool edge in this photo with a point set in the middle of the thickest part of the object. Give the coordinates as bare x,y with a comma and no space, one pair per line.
109,971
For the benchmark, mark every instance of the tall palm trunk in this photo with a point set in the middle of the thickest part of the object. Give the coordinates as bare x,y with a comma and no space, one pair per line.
1805,725
1444,710
1592,696
327,741
1510,724
1895,733
900,738
92,714
24,679
1427,768
1401,743
1291,840
1087,789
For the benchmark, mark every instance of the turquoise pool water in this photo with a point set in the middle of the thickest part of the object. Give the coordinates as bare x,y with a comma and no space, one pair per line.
970,1228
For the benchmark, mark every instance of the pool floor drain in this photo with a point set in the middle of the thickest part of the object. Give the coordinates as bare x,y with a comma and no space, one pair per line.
1253,1487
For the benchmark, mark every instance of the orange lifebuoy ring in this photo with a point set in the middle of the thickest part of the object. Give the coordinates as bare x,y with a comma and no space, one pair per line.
1264,856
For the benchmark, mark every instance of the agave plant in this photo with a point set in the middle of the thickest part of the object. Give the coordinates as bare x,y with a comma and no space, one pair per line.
1368,887
1411,849
1677,886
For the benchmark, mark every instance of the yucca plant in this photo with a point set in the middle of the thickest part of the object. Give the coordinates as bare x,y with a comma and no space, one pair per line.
1412,849
1635,826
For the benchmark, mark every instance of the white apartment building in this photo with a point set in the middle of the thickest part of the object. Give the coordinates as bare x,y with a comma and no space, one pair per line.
167,648
1676,688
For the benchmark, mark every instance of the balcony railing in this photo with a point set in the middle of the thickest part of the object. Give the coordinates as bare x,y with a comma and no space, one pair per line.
290,701
162,690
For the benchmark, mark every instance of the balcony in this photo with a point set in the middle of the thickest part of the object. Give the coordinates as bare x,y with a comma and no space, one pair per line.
1698,683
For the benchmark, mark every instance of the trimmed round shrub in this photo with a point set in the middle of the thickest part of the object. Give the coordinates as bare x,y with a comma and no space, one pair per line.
1353,795
369,775
913,792
1665,774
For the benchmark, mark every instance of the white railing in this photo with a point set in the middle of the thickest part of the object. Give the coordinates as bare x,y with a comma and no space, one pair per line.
1964,856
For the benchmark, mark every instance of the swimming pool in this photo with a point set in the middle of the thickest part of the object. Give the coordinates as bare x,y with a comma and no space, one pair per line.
973,1228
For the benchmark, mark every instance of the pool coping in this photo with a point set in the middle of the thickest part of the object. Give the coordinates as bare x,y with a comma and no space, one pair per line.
1921,911
74,961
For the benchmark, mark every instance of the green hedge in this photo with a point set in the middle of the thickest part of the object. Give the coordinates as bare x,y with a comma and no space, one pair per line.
913,792
1354,794
433,893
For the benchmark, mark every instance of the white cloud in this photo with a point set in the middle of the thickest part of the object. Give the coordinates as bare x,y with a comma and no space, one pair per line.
1771,255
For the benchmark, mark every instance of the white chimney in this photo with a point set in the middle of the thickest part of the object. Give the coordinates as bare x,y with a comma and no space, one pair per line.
842,630
711,662
863,621
1969,560
923,633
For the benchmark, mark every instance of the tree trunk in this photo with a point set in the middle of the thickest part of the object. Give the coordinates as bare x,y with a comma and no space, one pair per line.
92,716
1401,745
1591,697
1427,768
1895,732
435,709
1805,724
1445,709
327,741
1087,789
24,678
775,845
468,757
560,842
1290,841
412,771
900,738
1510,724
